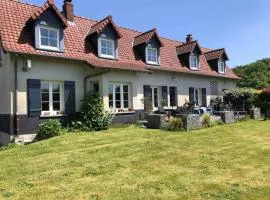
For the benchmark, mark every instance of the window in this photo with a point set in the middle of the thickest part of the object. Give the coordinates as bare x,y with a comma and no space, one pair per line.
221,67
94,87
151,55
194,95
49,38
119,96
51,98
155,95
194,62
173,96
107,49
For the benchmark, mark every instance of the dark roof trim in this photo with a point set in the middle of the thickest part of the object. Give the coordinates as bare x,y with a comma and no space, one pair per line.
144,38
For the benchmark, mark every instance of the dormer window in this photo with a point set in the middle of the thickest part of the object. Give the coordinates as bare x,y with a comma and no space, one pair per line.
194,62
106,48
49,38
221,67
151,55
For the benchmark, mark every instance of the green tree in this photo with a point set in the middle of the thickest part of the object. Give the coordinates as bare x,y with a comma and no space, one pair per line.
254,75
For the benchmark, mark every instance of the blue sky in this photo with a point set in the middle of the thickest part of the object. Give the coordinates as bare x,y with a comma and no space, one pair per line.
241,26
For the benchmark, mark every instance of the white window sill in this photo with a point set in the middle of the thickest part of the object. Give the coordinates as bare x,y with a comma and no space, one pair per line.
152,63
50,115
107,57
223,73
195,69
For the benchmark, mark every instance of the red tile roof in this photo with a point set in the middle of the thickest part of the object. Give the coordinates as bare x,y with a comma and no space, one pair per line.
99,26
17,38
144,38
187,48
216,54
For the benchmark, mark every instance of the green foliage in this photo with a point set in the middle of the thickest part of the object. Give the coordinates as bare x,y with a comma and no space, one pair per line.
255,75
49,129
148,104
244,119
263,101
240,98
219,123
216,103
207,121
173,124
92,115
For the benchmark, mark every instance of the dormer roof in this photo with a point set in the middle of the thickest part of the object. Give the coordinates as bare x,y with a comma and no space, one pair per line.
144,38
188,48
49,4
216,54
99,26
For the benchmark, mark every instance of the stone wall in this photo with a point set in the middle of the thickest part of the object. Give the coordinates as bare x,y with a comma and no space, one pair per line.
155,121
255,113
192,122
228,117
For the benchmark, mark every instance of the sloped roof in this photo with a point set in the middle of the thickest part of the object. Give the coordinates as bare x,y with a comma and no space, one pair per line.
49,4
216,54
16,38
187,48
99,26
146,37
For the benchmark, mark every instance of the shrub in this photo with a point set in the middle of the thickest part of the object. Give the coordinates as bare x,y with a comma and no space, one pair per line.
219,123
207,121
49,129
174,124
244,119
263,101
92,115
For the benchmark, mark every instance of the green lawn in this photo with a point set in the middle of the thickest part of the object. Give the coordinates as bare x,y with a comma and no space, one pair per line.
224,162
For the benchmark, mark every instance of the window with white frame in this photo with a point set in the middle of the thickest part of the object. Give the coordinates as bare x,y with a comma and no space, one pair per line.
51,98
106,48
152,55
119,96
49,38
221,67
194,62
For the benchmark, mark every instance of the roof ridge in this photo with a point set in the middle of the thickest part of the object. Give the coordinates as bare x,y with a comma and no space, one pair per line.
187,43
213,50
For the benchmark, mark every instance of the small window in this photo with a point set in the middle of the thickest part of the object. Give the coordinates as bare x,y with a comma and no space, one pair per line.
151,55
107,49
119,96
49,38
221,67
51,98
194,62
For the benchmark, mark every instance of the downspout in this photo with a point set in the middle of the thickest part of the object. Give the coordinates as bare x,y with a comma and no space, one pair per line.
16,117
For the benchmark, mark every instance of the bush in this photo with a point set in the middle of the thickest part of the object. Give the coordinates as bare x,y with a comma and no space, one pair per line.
174,124
263,102
49,129
92,115
219,123
207,121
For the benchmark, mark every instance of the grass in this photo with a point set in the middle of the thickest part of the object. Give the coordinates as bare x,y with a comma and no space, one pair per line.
224,162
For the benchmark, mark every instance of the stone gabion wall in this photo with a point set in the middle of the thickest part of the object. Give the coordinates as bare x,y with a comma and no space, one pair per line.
155,121
192,122
255,113
228,117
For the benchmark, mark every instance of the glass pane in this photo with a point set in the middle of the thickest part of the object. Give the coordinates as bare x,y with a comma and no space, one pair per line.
110,44
44,87
110,52
56,87
117,96
125,88
53,43
110,104
45,106
125,96
117,88
45,96
104,51
110,89
118,104
110,97
126,104
53,34
44,32
56,97
103,44
56,106
44,41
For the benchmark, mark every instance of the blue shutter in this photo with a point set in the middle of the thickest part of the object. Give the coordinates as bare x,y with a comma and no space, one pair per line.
191,95
70,97
34,97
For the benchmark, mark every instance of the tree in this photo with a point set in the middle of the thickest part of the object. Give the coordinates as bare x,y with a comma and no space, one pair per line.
254,75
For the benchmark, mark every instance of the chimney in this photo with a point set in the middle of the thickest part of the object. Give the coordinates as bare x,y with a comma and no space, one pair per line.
68,10
189,38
